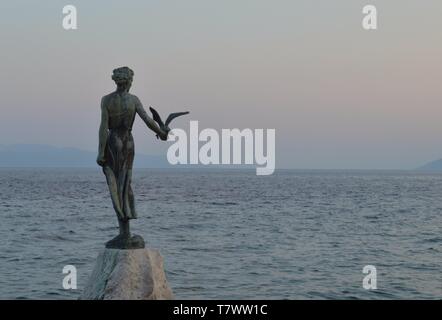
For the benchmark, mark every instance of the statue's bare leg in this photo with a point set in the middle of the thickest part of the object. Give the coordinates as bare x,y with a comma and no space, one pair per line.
124,240
129,206
113,190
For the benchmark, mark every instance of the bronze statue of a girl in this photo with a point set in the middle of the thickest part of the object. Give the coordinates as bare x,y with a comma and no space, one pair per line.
116,152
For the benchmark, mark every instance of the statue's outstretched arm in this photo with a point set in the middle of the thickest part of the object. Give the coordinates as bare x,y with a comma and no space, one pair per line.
149,121
103,133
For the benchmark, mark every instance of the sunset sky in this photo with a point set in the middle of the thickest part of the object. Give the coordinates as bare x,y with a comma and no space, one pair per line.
337,95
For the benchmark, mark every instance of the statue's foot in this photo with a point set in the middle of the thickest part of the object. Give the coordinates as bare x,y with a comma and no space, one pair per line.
126,242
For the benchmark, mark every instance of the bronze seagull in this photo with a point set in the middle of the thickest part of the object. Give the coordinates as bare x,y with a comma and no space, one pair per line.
165,126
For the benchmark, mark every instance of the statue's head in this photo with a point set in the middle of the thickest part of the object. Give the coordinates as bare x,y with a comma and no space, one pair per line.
123,77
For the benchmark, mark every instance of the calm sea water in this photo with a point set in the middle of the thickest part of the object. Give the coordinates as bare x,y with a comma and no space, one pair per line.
231,234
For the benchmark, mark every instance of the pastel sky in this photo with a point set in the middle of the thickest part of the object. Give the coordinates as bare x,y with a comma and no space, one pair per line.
337,95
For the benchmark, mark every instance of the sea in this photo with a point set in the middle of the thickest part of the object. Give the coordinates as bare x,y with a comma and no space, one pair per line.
230,234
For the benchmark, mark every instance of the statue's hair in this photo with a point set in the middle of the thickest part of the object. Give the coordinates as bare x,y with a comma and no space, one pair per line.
123,72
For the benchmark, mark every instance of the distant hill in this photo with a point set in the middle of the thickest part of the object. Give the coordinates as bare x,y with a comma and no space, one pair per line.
432,166
33,155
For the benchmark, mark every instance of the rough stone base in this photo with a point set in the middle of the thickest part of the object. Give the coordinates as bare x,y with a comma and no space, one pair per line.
128,275
124,242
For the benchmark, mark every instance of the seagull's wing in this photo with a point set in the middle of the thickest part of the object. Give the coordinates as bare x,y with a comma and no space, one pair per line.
156,117
174,115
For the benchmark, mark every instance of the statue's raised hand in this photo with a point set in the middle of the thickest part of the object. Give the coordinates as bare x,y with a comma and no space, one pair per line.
163,135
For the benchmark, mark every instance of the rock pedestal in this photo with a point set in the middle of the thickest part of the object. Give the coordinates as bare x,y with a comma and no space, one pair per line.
128,275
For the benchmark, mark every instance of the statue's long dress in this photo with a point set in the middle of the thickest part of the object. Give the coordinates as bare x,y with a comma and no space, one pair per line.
119,157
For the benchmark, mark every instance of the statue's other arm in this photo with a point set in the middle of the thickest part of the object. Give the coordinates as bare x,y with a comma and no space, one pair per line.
103,133
149,121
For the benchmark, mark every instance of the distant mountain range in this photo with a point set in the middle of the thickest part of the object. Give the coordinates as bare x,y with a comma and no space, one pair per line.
40,155
33,155
432,166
